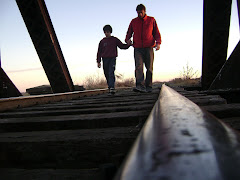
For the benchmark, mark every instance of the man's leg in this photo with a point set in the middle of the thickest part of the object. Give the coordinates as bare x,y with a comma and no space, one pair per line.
149,57
138,56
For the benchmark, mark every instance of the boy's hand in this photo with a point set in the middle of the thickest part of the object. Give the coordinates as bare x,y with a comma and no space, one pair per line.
129,42
99,65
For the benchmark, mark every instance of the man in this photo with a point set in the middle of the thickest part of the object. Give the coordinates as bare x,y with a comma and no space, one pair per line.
146,36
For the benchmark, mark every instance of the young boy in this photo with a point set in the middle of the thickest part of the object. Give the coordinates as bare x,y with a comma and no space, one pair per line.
107,50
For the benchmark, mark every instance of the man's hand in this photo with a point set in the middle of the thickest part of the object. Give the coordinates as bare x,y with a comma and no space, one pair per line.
99,65
129,42
157,47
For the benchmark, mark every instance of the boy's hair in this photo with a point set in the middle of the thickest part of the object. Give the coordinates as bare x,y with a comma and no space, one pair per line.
140,7
107,28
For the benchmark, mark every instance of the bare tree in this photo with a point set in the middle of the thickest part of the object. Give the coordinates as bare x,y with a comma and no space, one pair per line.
188,72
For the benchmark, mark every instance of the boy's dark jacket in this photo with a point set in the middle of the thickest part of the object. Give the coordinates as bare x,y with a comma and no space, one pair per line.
107,47
145,32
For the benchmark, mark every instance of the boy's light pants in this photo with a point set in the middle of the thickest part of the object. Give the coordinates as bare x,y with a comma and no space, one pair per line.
146,56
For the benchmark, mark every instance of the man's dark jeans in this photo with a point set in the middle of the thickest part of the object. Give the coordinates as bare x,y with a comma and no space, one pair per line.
109,68
146,56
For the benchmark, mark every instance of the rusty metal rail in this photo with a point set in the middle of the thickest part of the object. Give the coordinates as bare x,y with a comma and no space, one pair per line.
182,141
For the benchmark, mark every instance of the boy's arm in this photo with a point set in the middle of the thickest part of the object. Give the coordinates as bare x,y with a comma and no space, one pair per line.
121,45
99,53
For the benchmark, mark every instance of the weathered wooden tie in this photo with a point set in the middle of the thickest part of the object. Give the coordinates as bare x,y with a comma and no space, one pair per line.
224,104
89,134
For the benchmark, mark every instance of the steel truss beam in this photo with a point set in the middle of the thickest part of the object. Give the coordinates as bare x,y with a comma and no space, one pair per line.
216,22
7,88
228,77
238,5
40,28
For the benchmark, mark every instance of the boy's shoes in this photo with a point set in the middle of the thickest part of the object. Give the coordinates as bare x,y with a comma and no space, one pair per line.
112,91
139,89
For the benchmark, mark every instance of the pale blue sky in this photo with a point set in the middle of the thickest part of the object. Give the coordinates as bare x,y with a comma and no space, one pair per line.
78,25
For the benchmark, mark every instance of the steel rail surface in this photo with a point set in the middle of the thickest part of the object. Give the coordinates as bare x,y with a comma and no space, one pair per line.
180,141
12,103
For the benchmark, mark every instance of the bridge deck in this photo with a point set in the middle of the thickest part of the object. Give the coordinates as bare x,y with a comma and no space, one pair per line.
87,137
84,134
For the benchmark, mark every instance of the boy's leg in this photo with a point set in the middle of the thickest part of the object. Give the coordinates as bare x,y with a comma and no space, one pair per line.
138,56
111,75
148,60
106,69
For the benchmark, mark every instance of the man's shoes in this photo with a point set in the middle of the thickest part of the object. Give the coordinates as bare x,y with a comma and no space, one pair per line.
139,89
112,91
148,89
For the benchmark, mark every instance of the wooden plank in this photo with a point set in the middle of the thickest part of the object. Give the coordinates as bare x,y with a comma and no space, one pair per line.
65,149
223,110
85,105
13,103
102,100
233,122
59,174
208,100
101,120
76,111
116,98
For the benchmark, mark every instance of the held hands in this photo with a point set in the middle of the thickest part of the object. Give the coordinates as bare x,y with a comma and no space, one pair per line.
129,42
99,65
157,47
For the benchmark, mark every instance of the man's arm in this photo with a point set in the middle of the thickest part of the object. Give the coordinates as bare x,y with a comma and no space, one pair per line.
156,35
129,33
157,47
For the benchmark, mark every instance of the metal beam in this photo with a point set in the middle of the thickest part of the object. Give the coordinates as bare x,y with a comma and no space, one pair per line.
238,5
228,77
7,88
40,28
216,22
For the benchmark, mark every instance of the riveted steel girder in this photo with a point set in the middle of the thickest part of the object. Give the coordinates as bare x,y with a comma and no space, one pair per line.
40,28
7,88
216,23
229,75
238,5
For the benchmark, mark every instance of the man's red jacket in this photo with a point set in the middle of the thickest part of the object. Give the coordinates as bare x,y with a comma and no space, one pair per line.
145,32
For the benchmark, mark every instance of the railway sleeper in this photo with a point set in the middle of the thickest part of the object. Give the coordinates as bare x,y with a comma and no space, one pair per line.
67,149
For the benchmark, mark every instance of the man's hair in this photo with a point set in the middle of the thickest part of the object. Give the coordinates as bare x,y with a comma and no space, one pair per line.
140,7
107,28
